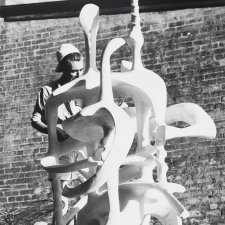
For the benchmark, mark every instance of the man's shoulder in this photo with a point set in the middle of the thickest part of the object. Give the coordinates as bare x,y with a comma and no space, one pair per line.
52,85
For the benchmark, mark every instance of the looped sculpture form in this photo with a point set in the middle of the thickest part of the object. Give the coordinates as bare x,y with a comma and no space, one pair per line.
131,195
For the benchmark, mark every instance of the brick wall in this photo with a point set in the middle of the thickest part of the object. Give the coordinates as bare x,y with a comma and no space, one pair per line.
185,47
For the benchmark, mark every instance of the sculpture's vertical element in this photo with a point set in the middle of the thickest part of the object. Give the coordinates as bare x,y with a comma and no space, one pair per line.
147,115
136,34
89,20
58,204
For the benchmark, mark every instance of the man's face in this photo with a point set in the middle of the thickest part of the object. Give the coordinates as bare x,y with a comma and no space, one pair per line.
74,65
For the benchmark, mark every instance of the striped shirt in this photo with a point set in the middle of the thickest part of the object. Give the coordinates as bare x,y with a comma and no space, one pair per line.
65,110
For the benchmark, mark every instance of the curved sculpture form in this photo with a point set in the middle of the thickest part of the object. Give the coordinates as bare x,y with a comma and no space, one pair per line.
200,122
119,127
137,199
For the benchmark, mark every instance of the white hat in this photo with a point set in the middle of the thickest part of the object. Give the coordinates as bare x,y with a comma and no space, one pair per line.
64,50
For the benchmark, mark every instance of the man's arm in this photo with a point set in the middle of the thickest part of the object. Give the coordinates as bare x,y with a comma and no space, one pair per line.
38,118
38,121
42,127
39,126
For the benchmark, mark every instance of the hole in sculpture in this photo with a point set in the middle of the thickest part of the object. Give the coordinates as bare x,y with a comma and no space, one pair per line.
152,142
180,124
126,102
154,173
155,221
125,53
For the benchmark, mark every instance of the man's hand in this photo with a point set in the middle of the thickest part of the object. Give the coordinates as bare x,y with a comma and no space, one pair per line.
61,134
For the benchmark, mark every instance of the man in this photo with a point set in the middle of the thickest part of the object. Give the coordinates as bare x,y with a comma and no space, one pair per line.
70,63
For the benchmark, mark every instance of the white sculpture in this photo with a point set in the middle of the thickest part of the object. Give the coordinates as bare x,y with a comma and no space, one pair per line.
137,200
104,125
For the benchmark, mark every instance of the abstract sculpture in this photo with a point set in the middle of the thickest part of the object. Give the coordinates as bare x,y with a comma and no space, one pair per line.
131,195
